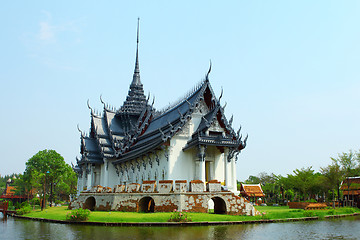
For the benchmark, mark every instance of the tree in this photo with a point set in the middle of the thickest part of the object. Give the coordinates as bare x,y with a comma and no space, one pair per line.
66,186
302,180
333,176
349,163
47,168
252,180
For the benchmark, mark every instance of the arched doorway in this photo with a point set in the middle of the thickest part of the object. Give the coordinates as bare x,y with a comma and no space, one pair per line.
146,204
219,205
90,203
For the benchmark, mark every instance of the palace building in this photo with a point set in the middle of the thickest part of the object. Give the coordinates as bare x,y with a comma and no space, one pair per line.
135,143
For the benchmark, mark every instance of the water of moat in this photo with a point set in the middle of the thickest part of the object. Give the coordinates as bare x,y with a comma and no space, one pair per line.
344,228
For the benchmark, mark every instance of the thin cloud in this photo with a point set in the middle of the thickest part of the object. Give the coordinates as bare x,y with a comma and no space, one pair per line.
49,32
46,32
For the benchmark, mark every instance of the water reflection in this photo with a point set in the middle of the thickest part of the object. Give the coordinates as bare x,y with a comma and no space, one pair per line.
348,228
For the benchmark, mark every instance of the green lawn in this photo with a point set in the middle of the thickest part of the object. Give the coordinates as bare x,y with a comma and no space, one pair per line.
59,213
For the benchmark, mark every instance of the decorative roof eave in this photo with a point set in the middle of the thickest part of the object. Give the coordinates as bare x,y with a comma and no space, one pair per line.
139,152
214,141
224,120
85,160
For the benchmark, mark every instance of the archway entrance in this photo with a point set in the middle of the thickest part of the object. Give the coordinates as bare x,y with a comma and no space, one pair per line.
146,204
90,203
219,205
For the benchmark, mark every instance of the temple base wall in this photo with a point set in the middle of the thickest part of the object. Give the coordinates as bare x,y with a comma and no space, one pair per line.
148,199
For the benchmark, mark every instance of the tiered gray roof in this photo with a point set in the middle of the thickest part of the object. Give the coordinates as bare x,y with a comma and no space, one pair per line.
109,137
137,129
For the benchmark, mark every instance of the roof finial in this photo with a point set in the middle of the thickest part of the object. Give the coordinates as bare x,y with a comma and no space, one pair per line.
136,76
207,75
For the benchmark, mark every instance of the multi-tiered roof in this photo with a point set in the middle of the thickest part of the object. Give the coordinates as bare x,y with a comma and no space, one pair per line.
136,128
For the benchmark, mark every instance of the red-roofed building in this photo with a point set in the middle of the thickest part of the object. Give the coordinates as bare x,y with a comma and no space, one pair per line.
10,191
252,192
351,191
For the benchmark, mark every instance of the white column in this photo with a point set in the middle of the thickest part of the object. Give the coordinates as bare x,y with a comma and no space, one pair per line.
228,182
211,171
233,168
201,163
84,179
106,173
202,170
89,178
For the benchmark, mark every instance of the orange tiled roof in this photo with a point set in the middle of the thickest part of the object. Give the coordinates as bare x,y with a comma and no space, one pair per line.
10,190
252,190
352,183
351,192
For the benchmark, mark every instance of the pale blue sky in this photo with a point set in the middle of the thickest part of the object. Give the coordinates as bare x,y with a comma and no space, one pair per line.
289,69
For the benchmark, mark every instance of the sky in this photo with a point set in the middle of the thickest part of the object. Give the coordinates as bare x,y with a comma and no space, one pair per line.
289,71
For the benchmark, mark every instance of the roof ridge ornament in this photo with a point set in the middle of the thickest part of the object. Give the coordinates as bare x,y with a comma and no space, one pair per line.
207,75
88,104
221,94
80,130
224,106
152,104
231,120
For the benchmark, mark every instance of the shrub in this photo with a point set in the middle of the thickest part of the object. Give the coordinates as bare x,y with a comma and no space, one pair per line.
309,213
24,210
349,210
78,215
11,206
57,202
17,205
35,201
296,210
331,212
178,216
264,215
24,204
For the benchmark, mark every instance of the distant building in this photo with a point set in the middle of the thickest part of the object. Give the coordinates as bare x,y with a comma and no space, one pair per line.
10,192
252,192
350,188
190,140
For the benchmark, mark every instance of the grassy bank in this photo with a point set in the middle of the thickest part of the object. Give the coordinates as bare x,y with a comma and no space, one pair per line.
59,213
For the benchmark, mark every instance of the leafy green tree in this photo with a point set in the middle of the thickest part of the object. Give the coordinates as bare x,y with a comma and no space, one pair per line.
334,176
66,186
47,168
302,180
348,162
252,180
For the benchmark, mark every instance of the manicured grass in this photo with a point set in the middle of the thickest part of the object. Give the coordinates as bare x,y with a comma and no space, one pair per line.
282,212
59,213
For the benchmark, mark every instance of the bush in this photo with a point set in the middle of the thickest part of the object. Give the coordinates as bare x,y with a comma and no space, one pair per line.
78,215
35,201
349,210
178,216
24,210
24,204
296,210
331,212
11,206
309,213
57,202
17,205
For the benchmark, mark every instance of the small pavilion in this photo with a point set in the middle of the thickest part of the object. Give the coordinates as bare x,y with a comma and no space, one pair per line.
252,192
351,191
